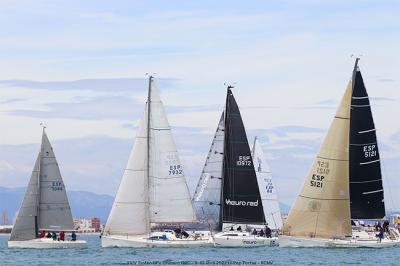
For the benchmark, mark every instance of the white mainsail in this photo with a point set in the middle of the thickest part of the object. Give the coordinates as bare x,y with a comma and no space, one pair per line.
54,209
45,205
207,197
322,209
153,188
267,188
168,192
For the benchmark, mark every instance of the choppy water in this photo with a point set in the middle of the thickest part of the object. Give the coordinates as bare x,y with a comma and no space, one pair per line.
95,255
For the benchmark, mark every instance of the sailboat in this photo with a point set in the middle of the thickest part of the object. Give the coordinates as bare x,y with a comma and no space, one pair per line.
272,212
45,206
227,195
153,191
344,182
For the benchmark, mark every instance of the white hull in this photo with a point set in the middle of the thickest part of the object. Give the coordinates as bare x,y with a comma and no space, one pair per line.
144,242
243,240
46,243
291,241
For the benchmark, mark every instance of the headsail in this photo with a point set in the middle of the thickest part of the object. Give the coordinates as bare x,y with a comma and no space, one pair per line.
322,209
25,226
241,200
207,197
129,213
55,212
366,190
267,188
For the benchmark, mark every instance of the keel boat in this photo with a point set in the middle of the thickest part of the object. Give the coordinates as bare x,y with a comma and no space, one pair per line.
45,207
153,190
230,196
344,183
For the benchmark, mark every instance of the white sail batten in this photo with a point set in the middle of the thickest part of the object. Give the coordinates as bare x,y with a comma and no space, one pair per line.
54,209
169,195
322,208
267,188
207,196
24,227
129,215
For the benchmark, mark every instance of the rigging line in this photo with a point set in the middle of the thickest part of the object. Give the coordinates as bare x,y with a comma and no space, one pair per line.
386,180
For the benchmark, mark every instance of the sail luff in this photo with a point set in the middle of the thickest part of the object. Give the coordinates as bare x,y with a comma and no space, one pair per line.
322,208
147,183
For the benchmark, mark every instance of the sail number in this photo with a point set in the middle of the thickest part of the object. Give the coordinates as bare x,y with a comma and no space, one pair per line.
56,185
270,186
369,150
244,161
175,170
317,179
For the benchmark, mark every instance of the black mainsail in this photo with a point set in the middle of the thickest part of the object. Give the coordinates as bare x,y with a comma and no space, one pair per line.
241,200
366,190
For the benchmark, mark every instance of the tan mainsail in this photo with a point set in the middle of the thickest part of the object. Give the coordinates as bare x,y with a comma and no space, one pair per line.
322,208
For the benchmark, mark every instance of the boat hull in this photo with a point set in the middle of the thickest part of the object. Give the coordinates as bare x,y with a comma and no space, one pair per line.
143,241
46,243
221,240
292,241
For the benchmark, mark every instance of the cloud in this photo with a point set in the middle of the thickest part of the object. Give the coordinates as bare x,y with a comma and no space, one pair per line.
386,80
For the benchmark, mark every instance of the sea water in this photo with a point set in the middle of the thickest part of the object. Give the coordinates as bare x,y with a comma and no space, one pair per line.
93,254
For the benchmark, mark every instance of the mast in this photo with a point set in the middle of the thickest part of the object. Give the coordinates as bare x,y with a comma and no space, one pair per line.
223,162
148,151
38,183
353,79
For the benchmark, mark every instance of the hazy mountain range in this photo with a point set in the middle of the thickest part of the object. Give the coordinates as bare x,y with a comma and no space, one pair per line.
83,204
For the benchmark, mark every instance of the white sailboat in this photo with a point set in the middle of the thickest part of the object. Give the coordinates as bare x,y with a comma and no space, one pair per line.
272,212
45,206
228,193
153,189
344,182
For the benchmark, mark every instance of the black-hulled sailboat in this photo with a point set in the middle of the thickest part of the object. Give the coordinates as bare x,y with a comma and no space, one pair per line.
227,196
345,181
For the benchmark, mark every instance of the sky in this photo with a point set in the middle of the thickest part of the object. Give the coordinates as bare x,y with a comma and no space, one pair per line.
80,67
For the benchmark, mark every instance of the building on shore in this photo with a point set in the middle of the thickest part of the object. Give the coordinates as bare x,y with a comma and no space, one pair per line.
88,225
4,217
